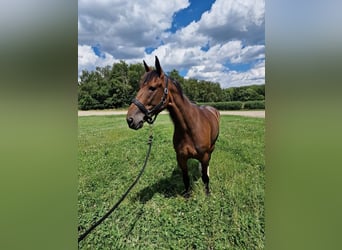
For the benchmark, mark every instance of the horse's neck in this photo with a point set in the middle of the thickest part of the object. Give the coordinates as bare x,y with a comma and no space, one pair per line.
180,110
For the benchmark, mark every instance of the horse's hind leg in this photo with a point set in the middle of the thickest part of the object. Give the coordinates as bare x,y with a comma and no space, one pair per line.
205,173
205,177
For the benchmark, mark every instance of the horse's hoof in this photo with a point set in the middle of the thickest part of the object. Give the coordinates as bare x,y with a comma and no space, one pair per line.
207,192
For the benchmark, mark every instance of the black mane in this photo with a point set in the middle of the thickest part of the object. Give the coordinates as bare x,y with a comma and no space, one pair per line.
178,86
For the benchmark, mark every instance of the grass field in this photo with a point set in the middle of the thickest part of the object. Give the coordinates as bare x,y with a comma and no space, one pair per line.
155,215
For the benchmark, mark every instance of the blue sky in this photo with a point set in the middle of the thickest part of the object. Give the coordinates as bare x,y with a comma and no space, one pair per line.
192,13
216,40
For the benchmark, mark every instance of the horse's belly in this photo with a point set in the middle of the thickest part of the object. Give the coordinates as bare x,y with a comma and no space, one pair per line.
190,150
188,147
186,151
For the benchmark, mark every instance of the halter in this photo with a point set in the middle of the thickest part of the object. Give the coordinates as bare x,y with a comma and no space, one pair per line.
156,109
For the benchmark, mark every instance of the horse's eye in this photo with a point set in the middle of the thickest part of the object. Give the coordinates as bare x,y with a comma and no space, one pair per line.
151,88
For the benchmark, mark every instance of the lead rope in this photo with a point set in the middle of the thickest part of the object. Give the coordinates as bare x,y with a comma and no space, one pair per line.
149,142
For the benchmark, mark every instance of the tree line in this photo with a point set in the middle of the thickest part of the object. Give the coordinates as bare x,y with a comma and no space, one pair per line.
115,86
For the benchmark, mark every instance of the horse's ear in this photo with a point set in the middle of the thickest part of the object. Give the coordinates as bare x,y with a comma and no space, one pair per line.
147,68
158,68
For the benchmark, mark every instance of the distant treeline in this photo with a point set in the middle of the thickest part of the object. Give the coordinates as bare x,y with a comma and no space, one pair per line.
115,86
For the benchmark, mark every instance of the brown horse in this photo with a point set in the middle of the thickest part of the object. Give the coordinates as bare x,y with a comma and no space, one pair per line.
196,128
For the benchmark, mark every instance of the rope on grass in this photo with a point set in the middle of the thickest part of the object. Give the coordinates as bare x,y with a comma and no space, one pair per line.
92,227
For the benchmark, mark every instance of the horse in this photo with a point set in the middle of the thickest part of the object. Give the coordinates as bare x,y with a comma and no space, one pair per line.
196,128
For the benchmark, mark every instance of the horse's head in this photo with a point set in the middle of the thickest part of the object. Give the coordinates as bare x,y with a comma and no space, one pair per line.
151,98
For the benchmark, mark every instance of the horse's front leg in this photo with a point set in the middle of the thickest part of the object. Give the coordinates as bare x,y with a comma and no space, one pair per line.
182,163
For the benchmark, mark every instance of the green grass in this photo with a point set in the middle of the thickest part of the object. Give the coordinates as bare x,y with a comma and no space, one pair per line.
155,215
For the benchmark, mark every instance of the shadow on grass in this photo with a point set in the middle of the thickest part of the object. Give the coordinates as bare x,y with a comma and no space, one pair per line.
170,186
136,219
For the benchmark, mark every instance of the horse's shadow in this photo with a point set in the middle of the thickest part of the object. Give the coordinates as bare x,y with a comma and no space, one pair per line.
171,186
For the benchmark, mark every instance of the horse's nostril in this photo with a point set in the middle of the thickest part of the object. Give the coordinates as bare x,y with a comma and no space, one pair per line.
129,120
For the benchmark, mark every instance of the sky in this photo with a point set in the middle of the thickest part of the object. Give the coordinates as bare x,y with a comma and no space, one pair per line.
220,41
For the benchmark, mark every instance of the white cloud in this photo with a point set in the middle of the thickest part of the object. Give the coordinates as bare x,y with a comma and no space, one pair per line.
188,36
215,73
173,56
87,59
235,33
234,19
209,65
125,28
233,29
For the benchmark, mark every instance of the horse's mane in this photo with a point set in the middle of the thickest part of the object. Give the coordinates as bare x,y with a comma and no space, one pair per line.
178,86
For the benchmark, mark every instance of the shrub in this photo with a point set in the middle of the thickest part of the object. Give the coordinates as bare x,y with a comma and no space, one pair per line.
225,105
236,105
254,105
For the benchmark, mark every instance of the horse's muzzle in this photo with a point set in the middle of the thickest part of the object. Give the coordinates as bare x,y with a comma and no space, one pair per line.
134,125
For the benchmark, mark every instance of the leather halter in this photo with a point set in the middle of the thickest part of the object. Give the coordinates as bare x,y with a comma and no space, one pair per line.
156,109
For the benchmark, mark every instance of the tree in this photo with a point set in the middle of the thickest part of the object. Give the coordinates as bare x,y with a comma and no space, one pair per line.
174,74
135,72
115,86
